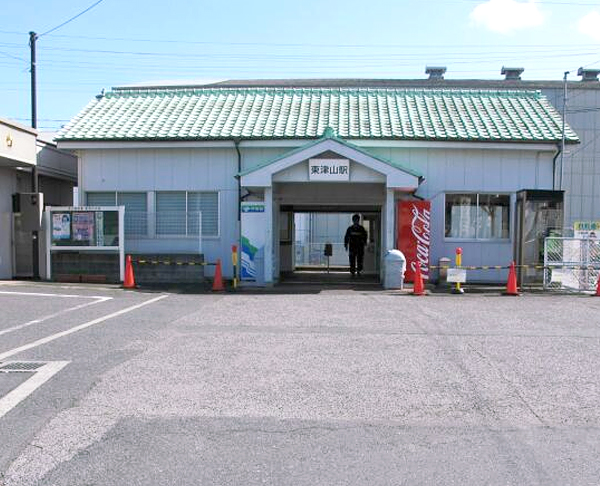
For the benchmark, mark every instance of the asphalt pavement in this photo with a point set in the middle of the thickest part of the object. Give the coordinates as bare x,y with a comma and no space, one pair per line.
328,386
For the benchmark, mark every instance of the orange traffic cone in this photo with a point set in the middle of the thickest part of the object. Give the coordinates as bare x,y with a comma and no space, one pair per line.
598,286
129,282
418,287
218,280
511,285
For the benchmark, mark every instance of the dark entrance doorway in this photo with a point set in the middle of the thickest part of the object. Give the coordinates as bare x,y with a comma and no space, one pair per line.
306,234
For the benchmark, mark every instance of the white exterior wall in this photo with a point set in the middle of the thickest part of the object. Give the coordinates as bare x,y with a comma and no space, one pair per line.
151,170
469,171
255,156
494,170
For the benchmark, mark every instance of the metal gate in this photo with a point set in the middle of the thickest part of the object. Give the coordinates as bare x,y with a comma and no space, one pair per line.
571,263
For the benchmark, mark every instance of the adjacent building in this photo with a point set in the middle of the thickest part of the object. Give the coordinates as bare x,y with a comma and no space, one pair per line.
24,155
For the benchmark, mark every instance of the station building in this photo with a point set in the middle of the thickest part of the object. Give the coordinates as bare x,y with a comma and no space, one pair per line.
249,164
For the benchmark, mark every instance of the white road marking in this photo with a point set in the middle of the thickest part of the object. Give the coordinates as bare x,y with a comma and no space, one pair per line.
67,296
50,316
40,376
85,325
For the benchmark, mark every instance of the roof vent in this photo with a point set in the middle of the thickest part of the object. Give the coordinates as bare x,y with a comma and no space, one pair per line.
435,72
511,73
588,74
101,95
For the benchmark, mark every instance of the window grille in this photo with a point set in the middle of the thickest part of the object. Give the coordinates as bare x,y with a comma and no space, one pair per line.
178,212
135,203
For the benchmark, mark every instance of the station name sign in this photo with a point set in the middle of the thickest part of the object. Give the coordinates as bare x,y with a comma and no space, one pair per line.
586,229
253,207
329,169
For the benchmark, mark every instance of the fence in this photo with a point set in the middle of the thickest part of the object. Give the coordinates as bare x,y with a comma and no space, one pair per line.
571,263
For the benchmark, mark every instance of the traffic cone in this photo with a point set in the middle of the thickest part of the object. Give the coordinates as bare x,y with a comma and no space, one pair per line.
129,282
418,287
218,280
511,285
598,286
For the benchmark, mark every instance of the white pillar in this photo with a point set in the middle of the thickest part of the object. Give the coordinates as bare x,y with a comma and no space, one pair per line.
390,212
122,243
269,235
48,229
151,214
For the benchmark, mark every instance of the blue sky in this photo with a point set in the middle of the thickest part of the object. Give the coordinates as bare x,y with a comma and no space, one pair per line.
120,42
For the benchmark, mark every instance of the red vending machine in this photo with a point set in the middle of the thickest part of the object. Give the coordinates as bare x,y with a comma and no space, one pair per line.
413,226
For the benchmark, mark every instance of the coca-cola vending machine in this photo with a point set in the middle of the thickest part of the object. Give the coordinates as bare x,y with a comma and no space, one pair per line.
414,235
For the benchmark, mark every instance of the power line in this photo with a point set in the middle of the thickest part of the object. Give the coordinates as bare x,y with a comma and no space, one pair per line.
443,57
41,119
298,45
71,19
13,57
566,51
484,49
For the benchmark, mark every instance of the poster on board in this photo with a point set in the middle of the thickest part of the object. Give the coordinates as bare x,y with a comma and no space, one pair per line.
253,240
83,226
61,226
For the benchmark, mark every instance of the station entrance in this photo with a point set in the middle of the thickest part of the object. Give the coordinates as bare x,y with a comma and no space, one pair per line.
302,202
312,243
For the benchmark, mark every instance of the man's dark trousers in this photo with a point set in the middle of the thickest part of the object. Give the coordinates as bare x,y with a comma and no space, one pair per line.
355,256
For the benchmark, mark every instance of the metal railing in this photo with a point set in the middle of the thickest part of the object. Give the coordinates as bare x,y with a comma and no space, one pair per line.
571,263
313,254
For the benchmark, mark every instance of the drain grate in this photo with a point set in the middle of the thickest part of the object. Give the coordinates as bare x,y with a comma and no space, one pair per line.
20,366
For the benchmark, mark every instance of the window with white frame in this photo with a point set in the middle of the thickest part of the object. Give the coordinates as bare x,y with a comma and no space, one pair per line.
136,215
478,216
178,213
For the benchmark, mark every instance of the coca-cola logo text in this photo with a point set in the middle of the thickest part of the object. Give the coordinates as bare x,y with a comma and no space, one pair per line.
420,226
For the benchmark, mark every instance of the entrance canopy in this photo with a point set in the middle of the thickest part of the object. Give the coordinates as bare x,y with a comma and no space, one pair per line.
331,159
326,174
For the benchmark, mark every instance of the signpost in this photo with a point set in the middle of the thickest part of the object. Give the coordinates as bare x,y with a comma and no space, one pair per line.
253,240
586,229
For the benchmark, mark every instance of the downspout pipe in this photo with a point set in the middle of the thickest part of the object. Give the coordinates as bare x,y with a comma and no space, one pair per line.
554,159
564,117
236,143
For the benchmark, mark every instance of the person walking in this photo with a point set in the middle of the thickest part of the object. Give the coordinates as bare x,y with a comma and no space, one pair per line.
354,243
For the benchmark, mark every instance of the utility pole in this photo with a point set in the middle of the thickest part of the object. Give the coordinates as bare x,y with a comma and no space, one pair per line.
34,171
32,38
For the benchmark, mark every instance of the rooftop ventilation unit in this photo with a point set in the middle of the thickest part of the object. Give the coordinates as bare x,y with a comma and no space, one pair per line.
435,72
588,74
512,74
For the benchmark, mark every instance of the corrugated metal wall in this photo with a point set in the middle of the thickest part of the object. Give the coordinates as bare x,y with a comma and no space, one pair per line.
582,161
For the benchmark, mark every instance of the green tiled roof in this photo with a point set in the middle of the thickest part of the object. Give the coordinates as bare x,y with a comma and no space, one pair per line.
293,113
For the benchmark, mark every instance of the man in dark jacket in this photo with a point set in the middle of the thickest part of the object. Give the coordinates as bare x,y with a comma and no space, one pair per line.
354,242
